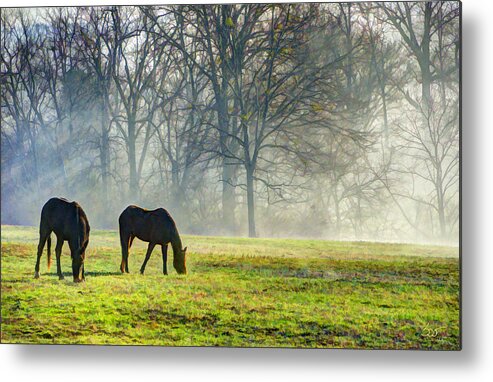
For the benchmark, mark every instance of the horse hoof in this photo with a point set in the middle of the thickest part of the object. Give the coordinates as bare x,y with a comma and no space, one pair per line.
60,277
36,275
142,273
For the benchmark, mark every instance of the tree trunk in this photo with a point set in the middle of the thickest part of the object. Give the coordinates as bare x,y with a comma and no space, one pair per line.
359,219
34,152
250,203
134,186
425,62
338,214
441,209
104,153
383,96
177,191
228,170
221,87
63,172
426,87
228,196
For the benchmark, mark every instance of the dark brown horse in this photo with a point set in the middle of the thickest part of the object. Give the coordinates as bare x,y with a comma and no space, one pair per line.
69,222
154,227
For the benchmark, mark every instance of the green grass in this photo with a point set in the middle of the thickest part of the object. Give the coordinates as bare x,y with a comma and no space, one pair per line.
239,292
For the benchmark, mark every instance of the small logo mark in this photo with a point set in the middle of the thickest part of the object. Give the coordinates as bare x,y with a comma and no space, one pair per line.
432,332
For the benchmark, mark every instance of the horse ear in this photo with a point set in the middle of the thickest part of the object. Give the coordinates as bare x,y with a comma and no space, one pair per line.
185,249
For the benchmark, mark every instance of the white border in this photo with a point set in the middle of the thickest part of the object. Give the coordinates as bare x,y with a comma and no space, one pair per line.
473,363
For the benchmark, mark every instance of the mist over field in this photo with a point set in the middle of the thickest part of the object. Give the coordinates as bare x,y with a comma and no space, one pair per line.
335,121
239,292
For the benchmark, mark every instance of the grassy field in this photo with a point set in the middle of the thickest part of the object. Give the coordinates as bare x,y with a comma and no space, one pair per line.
239,292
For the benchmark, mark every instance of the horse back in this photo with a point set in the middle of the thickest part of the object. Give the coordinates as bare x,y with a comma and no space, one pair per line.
155,226
66,219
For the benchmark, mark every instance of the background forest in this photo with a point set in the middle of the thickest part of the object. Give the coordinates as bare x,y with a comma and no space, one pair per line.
335,120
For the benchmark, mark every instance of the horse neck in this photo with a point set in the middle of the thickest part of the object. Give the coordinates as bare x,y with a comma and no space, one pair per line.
176,243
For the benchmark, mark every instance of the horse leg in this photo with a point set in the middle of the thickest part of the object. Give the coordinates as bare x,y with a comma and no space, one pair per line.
131,240
48,250
58,252
43,236
124,241
164,250
150,247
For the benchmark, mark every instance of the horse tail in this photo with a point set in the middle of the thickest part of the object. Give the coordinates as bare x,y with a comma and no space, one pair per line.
48,251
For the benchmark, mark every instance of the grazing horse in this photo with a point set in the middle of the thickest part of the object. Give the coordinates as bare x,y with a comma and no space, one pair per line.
154,227
69,222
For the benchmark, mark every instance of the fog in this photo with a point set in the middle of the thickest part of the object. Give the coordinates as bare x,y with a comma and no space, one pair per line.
335,121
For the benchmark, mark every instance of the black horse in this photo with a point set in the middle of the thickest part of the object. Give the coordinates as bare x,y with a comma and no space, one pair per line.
154,227
69,222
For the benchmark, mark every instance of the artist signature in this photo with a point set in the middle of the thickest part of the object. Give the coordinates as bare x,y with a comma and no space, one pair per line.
432,332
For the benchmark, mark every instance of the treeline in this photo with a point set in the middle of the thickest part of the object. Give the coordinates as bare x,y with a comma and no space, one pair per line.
322,120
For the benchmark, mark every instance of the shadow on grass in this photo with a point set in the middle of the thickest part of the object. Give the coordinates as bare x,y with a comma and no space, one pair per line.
91,274
96,274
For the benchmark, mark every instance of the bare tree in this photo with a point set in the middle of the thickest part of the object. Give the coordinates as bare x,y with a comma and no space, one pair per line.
137,59
432,140
335,120
98,47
